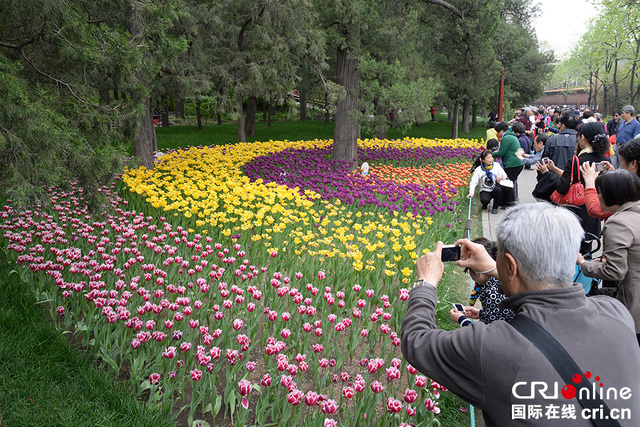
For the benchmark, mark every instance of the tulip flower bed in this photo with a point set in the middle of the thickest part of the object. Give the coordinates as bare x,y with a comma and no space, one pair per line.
259,278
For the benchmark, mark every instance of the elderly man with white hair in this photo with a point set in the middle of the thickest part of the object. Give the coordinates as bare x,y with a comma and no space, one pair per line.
497,367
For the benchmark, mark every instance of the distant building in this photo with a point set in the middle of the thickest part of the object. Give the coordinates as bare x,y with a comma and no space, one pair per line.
577,96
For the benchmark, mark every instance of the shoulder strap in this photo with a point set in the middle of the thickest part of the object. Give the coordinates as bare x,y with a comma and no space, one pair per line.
563,364
575,160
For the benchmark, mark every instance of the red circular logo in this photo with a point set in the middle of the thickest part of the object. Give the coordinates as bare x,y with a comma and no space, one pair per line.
568,391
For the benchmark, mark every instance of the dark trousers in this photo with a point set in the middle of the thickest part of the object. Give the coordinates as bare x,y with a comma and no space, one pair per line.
511,195
496,195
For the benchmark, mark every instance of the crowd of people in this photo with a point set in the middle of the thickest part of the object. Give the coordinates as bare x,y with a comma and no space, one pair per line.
524,280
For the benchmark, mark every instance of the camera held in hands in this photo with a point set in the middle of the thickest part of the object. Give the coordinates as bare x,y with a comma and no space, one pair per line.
450,253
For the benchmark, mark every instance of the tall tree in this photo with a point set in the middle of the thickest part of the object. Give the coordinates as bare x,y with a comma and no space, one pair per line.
395,79
150,25
350,28
465,56
526,66
60,60
260,47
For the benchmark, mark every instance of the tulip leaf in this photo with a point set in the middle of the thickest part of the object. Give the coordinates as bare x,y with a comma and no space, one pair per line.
217,406
232,403
104,356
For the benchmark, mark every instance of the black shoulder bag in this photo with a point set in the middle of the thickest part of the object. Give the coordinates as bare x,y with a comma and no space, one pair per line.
563,364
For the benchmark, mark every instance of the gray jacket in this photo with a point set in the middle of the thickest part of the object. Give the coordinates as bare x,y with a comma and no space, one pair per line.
493,366
621,249
561,147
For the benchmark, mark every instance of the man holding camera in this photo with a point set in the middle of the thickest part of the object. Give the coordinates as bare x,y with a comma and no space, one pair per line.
495,367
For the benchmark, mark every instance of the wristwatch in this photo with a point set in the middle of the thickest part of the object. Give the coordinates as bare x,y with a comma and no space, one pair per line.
419,282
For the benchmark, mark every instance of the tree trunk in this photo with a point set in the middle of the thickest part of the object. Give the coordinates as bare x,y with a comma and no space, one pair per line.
474,116
616,99
449,113
104,97
302,91
380,130
198,113
164,99
455,119
326,108
269,113
465,116
250,124
590,99
347,127
632,91
179,108
242,137
219,111
145,142
264,110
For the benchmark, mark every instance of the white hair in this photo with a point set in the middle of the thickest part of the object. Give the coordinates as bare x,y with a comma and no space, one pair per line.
629,109
544,239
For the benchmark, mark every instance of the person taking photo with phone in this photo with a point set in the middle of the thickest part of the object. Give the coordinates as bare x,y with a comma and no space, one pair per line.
629,160
619,193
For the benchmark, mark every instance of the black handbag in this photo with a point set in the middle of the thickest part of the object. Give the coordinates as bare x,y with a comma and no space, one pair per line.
546,186
564,365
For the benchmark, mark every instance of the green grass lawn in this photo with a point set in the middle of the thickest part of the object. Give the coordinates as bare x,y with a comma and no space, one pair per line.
227,133
45,381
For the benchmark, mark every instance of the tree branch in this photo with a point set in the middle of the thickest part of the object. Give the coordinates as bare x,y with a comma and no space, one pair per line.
60,82
17,46
447,6
28,41
250,18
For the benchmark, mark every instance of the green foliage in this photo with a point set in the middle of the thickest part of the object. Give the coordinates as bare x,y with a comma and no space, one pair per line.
41,145
607,58
526,67
77,73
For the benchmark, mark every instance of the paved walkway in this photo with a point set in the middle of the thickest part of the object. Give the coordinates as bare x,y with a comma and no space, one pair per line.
526,183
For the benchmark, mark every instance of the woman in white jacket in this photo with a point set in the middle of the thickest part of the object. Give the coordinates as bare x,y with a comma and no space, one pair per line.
489,175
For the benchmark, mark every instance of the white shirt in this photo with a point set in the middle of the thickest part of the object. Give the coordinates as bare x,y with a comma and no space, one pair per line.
479,175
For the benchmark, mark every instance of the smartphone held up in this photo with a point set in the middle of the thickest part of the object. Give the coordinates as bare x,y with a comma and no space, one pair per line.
458,307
